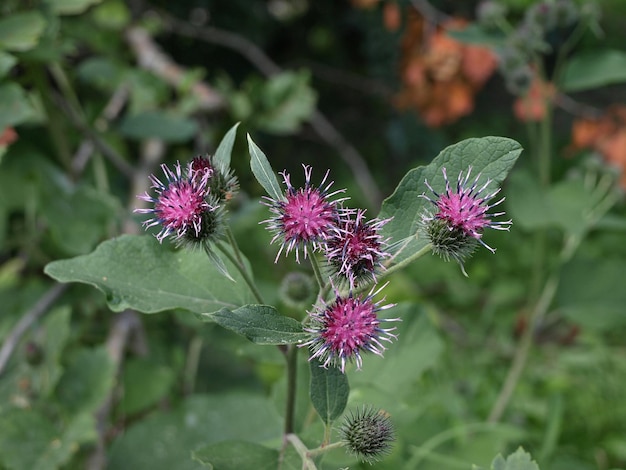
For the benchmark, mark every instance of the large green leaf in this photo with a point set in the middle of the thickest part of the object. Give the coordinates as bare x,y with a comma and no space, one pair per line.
145,384
261,324
159,125
7,61
137,272
595,69
263,172
491,157
329,391
225,148
21,31
237,455
166,439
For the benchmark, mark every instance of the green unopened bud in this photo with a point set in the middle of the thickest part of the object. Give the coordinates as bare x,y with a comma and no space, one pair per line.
519,80
490,13
211,227
368,434
450,242
297,290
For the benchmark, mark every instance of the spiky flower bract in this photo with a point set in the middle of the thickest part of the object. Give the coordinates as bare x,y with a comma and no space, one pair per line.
457,225
356,249
368,433
347,327
179,205
306,217
222,181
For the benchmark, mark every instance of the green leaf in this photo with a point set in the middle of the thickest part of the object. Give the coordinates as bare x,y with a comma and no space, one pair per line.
7,61
591,293
56,333
263,172
492,157
71,7
14,106
261,324
329,391
137,272
29,440
154,124
21,31
594,69
225,148
519,460
237,455
145,384
165,439
87,380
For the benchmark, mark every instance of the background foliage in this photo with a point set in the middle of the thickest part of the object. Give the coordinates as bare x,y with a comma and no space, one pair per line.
95,94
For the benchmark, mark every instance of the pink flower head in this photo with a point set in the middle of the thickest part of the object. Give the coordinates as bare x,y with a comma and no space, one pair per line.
179,205
342,330
463,209
305,217
356,248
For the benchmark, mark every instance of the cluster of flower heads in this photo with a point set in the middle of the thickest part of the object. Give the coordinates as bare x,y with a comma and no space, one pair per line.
313,219
189,205
461,215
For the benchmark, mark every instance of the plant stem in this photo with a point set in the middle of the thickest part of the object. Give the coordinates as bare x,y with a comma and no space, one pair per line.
405,262
292,370
191,366
233,243
303,452
318,273
522,351
325,448
244,273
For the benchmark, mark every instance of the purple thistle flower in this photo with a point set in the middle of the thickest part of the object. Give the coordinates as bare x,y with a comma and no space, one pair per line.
342,330
356,248
306,217
465,208
180,205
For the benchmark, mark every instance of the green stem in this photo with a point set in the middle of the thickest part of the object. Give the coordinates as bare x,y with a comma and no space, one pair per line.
545,152
191,367
303,452
233,243
427,447
405,262
318,273
292,369
325,448
244,273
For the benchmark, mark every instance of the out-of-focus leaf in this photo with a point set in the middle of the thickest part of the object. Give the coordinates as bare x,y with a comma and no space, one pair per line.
261,324
30,441
100,72
87,380
153,124
329,391
14,105
591,293
145,384
590,70
21,31
167,438
475,34
7,61
112,14
71,7
491,157
137,272
237,455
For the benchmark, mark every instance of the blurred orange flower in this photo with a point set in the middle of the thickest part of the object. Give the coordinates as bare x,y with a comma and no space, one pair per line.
606,135
7,137
440,75
532,106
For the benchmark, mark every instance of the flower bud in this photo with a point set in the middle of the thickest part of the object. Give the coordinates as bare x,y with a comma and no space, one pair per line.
297,290
368,434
